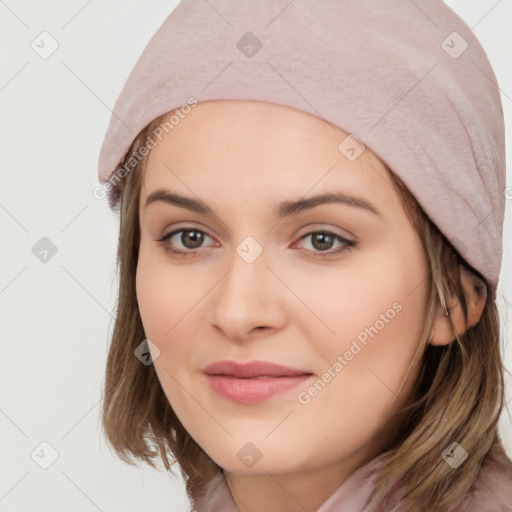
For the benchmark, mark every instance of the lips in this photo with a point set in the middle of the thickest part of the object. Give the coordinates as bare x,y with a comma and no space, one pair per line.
253,382
253,369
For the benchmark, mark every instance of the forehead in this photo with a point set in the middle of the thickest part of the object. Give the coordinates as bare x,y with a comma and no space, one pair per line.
262,149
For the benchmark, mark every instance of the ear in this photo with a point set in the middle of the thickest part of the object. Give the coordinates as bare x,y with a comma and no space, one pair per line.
475,291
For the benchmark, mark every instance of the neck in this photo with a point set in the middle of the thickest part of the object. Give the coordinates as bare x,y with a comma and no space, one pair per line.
294,492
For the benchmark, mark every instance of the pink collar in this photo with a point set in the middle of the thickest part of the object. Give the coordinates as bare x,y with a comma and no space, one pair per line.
351,495
492,491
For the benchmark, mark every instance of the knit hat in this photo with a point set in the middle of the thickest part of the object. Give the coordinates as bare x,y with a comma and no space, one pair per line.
408,79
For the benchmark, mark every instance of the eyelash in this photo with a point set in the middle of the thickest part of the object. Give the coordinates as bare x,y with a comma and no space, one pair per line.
348,244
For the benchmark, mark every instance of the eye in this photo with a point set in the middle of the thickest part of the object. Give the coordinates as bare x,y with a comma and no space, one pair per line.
190,238
322,241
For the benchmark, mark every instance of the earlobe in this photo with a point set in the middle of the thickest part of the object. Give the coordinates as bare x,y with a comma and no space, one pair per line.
442,332
475,290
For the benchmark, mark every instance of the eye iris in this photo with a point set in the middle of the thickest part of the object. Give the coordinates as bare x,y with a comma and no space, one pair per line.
194,237
325,240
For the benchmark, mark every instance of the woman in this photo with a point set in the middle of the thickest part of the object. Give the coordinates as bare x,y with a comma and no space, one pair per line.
311,214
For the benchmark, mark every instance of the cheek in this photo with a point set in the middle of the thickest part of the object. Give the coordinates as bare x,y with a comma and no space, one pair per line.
154,297
370,358
173,302
378,299
165,302
377,312
164,294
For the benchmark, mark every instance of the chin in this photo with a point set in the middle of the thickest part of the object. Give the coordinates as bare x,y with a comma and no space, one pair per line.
251,459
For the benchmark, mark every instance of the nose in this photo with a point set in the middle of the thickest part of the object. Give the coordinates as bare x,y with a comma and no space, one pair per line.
248,301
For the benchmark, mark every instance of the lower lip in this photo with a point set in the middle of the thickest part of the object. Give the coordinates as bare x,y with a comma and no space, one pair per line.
253,390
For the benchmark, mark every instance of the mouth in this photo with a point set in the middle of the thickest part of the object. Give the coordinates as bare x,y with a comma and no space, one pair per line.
253,382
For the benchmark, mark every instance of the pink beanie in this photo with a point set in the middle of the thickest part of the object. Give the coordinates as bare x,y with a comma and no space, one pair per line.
407,79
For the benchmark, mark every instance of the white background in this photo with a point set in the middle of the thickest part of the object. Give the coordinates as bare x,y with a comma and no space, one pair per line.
55,316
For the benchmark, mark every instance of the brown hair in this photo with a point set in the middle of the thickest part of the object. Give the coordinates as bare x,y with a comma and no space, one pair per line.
462,381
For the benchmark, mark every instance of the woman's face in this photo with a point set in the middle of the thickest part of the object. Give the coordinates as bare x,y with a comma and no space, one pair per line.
335,290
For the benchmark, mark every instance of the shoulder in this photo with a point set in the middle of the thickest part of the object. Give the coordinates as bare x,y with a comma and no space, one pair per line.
492,490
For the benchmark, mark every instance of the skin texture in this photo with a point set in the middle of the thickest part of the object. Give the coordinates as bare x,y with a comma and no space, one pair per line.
287,307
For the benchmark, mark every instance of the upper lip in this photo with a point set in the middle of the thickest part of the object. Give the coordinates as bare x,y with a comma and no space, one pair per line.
252,369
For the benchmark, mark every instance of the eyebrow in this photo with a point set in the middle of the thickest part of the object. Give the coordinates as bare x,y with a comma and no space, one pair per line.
281,210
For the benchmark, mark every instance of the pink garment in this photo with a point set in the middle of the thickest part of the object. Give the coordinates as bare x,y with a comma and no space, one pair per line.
491,493
351,495
408,79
